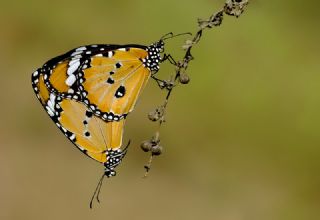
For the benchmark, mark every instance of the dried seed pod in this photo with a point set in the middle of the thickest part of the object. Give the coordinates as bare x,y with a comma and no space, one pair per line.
146,146
156,150
235,7
184,78
157,114
154,115
216,19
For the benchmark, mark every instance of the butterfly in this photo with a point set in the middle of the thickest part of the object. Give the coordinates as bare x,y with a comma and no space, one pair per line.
89,91
92,88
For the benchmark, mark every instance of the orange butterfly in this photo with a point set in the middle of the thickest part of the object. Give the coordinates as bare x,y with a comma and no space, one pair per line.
89,91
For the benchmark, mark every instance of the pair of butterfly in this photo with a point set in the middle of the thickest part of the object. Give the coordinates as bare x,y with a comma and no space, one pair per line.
89,91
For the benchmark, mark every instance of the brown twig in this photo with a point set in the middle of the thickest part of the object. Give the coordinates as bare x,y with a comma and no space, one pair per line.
231,8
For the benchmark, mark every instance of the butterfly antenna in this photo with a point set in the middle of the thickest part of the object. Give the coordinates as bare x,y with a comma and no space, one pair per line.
97,191
126,148
171,35
167,36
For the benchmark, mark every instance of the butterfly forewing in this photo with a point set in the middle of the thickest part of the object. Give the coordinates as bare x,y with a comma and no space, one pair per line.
113,80
106,78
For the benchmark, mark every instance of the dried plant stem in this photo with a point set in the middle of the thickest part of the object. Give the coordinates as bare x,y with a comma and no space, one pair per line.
231,8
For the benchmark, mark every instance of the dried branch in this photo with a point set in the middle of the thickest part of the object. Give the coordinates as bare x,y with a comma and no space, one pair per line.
231,8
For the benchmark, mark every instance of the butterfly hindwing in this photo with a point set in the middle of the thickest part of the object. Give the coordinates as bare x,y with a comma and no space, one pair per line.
92,135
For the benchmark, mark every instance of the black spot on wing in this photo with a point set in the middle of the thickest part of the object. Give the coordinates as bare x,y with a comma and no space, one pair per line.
121,91
89,114
118,65
110,80
87,133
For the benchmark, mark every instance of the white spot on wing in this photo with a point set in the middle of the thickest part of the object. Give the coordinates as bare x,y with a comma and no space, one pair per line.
73,66
81,48
76,53
72,137
73,62
78,56
70,80
51,102
50,112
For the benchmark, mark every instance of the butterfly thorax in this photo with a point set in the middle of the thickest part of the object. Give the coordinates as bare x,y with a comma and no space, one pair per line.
153,59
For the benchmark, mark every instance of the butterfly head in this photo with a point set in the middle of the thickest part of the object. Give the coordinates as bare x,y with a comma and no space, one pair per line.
109,172
153,59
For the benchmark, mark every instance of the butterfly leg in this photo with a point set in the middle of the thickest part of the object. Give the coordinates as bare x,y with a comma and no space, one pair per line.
169,58
161,83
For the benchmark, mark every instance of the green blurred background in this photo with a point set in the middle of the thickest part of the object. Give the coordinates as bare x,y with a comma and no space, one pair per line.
242,140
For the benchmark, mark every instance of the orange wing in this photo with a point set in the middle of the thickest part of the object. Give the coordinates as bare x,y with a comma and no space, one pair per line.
108,79
96,138
113,81
89,133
